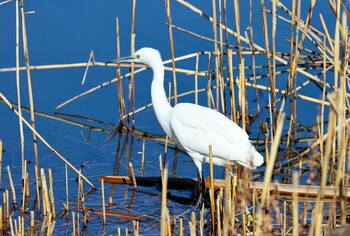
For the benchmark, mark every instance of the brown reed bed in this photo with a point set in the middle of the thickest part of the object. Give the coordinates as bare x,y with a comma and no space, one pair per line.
304,188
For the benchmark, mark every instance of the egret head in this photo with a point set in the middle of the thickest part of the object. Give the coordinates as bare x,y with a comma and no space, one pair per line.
148,56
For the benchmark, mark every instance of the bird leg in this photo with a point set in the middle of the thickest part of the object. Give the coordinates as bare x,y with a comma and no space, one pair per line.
200,184
196,189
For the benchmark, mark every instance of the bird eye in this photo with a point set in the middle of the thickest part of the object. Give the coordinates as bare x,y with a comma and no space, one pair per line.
138,56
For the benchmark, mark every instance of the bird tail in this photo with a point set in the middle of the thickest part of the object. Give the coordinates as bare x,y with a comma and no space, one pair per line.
252,159
257,159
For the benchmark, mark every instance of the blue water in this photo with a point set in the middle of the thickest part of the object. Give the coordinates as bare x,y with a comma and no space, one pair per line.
61,32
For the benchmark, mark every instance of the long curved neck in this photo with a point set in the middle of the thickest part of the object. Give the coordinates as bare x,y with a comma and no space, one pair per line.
160,103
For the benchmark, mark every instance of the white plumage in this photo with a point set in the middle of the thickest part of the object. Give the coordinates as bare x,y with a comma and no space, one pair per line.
192,127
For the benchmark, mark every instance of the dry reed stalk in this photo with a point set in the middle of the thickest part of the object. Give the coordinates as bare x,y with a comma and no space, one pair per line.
243,97
121,102
85,212
192,224
330,41
281,189
4,2
245,40
336,45
11,226
181,229
103,201
131,93
244,217
18,88
43,140
27,189
91,128
172,49
17,226
227,209
271,120
37,188
117,79
79,124
24,187
221,43
269,172
315,228
196,81
67,189
266,141
143,156
1,221
164,216
74,232
45,194
268,56
294,62
79,196
211,190
110,202
57,66
160,164
216,55
166,142
254,201
30,90
32,219
342,135
232,89
133,176
50,226
194,34
225,23
12,186
221,84
52,197
218,213
295,206
21,225
91,59
325,137
233,202
238,29
201,220
254,66
285,217
314,32
281,91
6,210
86,92
136,228
210,99
150,104
273,45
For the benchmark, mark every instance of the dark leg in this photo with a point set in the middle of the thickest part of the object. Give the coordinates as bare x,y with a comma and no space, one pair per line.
201,183
196,189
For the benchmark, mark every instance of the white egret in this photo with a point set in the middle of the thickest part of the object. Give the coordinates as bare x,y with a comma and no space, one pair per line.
192,127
